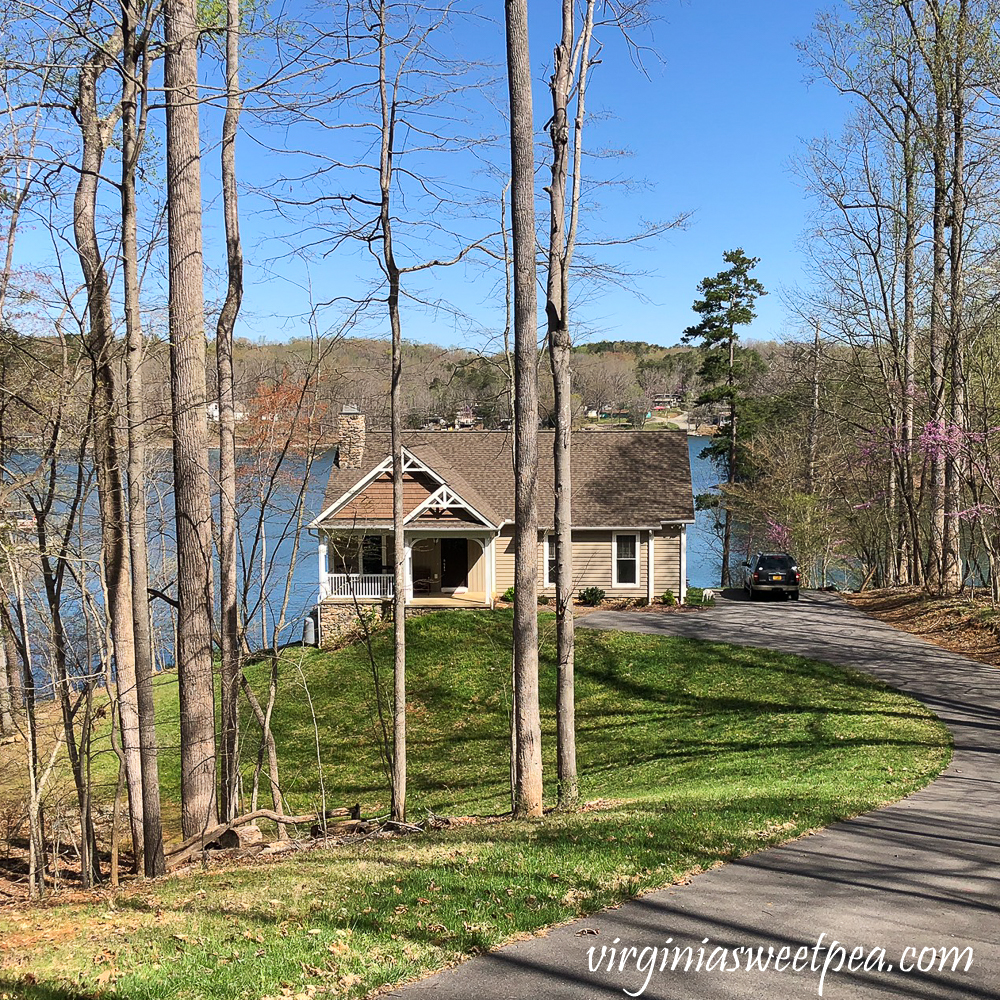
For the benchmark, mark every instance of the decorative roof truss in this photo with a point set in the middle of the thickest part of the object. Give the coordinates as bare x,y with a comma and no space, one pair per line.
442,499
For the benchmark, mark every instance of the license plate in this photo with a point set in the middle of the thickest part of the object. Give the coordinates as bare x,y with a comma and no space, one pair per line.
776,577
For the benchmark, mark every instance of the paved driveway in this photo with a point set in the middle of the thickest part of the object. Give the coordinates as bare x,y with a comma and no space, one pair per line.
921,874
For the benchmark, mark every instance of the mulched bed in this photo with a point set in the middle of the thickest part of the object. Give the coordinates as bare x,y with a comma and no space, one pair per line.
630,604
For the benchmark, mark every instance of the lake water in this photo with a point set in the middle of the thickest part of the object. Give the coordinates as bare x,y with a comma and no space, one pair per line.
704,546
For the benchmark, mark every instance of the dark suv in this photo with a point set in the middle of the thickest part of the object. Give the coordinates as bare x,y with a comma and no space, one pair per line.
774,572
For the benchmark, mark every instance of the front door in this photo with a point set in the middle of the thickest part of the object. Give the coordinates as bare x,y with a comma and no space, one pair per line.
454,563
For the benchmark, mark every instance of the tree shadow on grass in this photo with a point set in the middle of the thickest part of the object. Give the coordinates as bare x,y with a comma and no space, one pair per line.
17,988
837,691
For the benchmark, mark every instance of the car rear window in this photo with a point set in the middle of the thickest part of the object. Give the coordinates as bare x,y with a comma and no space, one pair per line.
776,562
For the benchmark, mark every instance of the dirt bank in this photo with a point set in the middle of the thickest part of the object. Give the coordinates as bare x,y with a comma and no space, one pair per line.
963,624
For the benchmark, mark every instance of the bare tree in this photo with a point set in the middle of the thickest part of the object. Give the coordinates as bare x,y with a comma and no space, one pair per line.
413,112
387,149
944,571
571,69
869,184
283,439
96,130
911,190
527,723
397,102
191,482
229,625
137,25
41,568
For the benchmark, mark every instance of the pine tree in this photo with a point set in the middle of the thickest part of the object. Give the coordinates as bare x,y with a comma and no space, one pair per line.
726,302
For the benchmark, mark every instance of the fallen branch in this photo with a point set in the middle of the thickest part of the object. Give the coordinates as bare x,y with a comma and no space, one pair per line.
405,827
179,854
335,822
340,827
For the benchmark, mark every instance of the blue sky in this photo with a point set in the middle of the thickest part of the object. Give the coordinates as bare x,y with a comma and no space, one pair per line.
711,130
715,129
733,113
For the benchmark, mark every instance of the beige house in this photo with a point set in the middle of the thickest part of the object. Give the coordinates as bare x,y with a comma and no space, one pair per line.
632,504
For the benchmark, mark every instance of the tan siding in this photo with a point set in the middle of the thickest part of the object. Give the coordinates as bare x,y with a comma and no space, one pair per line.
505,559
477,568
667,559
592,562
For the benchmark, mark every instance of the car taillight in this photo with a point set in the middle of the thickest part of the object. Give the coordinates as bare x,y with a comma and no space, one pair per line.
756,576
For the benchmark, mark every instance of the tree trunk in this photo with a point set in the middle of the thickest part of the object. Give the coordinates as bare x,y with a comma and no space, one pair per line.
528,763
133,131
388,115
814,415
560,251
952,556
100,345
398,806
36,839
267,738
938,143
187,382
911,224
727,529
13,671
229,627
53,574
6,705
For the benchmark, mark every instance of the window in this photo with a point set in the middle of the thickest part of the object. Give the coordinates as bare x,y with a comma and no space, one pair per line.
357,554
345,552
550,561
776,563
372,554
626,560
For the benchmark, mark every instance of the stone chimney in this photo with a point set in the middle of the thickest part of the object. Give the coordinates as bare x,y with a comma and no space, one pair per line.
351,424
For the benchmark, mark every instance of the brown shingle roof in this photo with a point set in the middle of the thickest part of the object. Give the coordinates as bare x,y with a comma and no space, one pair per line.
620,478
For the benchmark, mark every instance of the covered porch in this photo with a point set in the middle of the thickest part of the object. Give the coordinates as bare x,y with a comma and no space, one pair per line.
444,567
467,600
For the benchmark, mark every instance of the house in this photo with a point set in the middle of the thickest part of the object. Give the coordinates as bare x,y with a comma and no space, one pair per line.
213,411
632,504
465,418
666,401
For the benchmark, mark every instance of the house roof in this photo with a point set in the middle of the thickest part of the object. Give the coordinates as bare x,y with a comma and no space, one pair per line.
620,478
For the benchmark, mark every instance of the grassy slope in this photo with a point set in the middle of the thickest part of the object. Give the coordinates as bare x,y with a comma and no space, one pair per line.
699,753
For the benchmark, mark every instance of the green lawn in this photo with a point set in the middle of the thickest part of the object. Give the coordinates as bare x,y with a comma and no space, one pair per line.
690,754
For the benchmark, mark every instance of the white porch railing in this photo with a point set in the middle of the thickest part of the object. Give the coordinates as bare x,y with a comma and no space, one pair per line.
363,586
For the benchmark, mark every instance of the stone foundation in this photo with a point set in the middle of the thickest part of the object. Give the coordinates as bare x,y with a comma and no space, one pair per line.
339,623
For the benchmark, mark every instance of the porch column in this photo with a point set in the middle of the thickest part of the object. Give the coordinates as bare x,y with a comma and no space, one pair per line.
684,563
491,571
650,571
408,572
324,571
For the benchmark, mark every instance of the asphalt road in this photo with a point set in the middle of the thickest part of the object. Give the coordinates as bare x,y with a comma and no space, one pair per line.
918,875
